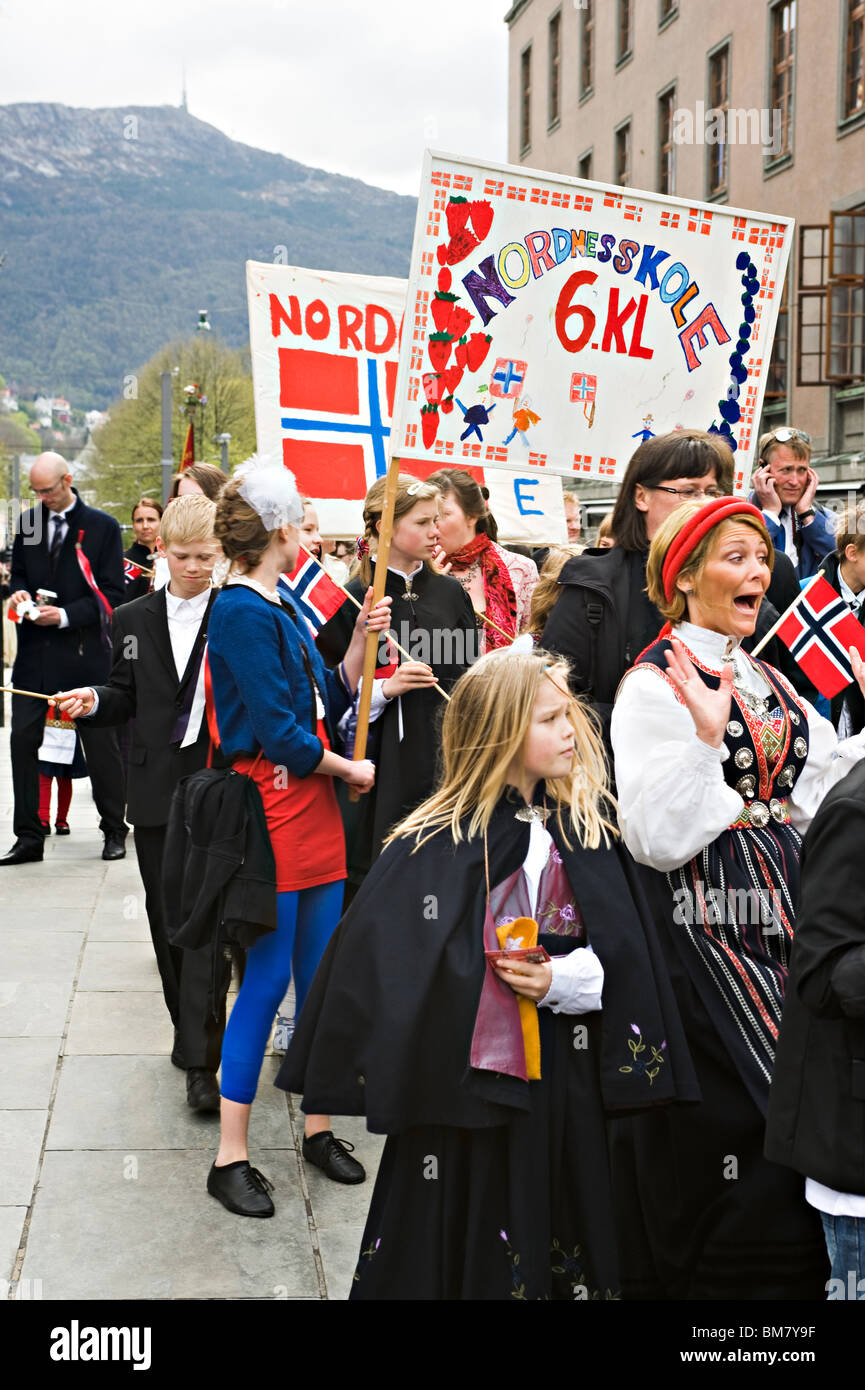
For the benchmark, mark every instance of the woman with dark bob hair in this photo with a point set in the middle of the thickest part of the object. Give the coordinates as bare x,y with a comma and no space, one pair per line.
720,766
604,617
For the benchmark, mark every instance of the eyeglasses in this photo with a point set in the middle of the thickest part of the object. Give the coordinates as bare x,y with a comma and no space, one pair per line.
783,436
690,494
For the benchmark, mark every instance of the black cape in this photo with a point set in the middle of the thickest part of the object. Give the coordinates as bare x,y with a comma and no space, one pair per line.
438,627
387,1026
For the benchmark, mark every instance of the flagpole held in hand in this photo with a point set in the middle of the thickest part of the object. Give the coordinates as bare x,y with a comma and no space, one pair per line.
785,615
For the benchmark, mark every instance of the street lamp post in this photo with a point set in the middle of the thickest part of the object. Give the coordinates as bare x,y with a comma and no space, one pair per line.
167,462
223,440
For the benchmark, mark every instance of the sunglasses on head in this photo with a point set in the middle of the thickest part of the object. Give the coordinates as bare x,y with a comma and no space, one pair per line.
783,436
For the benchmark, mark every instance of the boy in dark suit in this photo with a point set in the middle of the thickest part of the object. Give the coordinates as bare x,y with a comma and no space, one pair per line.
58,545
845,571
158,678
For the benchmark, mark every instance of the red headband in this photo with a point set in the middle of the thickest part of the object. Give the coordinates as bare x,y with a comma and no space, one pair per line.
695,528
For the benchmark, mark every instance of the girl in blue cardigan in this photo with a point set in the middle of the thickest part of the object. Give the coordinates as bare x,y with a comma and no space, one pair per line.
277,706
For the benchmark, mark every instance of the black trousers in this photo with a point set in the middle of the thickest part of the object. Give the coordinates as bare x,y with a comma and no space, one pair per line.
103,765
187,976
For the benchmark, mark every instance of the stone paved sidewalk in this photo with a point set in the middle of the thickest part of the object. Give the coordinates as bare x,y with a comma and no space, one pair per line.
102,1165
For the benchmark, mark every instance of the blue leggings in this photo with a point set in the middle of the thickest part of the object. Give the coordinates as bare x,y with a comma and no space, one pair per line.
305,921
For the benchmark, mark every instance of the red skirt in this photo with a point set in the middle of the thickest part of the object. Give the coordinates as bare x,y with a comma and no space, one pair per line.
303,820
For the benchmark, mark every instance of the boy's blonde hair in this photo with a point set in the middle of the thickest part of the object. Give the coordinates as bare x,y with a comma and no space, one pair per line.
484,729
188,519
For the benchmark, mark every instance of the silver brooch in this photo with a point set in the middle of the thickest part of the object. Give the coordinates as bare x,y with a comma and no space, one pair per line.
759,814
734,729
744,757
776,809
541,814
786,775
794,716
800,747
746,787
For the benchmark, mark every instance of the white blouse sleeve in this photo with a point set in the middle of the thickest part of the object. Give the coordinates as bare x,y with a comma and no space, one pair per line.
828,761
673,800
577,984
377,706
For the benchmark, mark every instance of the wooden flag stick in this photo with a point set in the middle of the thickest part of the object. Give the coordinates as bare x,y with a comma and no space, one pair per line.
351,598
371,654
492,624
35,694
785,615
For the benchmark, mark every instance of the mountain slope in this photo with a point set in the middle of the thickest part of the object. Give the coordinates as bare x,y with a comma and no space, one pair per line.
118,225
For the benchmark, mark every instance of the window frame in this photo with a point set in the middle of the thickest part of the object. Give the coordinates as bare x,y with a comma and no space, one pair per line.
667,93
624,55
624,127
525,109
722,193
554,118
774,163
589,155
851,281
587,25
847,121
665,20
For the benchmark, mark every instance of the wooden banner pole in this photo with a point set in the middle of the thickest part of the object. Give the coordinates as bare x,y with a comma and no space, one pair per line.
371,654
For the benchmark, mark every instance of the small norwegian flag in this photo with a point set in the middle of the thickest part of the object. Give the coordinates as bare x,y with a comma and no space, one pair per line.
819,633
312,591
131,570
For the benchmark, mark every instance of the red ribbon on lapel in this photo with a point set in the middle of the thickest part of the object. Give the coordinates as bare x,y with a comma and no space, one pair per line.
105,609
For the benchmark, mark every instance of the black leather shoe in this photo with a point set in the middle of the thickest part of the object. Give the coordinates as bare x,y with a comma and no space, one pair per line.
62,827
177,1057
115,846
333,1157
241,1188
202,1092
23,852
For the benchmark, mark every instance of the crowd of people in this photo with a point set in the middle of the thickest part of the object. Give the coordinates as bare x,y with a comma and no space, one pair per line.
555,934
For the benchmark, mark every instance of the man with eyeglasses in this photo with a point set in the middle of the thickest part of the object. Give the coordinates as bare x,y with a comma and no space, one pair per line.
62,645
785,487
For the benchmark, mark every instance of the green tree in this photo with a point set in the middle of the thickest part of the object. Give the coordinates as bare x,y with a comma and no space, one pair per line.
123,460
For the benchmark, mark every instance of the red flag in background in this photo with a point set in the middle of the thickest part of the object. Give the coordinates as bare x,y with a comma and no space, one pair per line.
188,456
819,632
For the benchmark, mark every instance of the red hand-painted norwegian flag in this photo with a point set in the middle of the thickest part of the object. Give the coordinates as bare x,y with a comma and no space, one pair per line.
820,632
312,591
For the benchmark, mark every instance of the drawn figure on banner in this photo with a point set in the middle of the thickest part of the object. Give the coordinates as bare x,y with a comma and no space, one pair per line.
523,419
508,378
584,388
474,416
646,432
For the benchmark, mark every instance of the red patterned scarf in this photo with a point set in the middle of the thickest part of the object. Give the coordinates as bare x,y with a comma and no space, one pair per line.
501,606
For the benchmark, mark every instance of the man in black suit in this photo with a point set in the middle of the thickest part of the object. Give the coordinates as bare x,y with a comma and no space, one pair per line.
157,678
65,643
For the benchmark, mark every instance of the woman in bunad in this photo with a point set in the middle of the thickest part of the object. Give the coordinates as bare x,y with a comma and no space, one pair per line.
433,621
276,707
719,766
492,1080
499,582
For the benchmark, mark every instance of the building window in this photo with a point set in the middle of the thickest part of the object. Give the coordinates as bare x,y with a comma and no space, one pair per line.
781,89
845,332
584,165
623,155
666,145
811,307
624,30
854,59
776,377
666,10
587,63
719,101
554,108
526,99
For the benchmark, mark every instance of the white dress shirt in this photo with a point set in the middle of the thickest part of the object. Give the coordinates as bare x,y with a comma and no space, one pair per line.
853,601
60,530
672,796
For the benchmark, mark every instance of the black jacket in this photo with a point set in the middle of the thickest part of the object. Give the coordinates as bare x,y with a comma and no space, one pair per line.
603,619
143,686
816,1121
54,658
218,873
141,556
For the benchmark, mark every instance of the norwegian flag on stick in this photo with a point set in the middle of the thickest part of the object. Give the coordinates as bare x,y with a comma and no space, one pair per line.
819,632
312,591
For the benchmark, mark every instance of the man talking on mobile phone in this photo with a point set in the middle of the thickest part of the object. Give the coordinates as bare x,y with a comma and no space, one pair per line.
785,486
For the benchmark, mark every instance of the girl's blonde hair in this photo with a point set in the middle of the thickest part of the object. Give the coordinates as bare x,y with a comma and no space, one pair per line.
675,608
547,589
409,492
484,730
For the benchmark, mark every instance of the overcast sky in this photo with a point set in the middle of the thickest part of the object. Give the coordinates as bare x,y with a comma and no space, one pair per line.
356,88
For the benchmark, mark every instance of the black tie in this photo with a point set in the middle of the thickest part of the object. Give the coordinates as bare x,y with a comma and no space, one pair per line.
56,541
